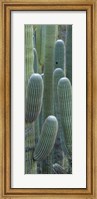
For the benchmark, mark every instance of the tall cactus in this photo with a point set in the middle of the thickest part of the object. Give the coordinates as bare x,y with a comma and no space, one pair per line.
58,149
65,104
48,105
28,53
35,63
42,57
38,41
69,53
47,138
48,69
34,97
60,55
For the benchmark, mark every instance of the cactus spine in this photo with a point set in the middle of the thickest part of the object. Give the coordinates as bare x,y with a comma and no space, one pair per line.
47,138
34,97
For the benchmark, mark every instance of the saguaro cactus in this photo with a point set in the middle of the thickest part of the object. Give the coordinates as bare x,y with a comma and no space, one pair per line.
48,104
38,41
28,53
43,42
34,97
47,138
69,53
48,69
60,54
58,148
65,104
35,64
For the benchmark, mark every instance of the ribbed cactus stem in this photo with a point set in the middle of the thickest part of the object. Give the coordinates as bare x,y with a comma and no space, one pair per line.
30,166
60,55
38,41
65,104
43,42
48,69
48,104
34,97
47,138
69,53
28,53
35,64
58,148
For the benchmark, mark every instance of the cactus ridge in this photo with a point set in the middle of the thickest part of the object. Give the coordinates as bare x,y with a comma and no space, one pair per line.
34,97
59,54
65,104
47,138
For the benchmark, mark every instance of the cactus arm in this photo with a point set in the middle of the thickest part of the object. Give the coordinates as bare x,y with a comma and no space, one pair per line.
34,97
58,153
60,55
47,138
65,104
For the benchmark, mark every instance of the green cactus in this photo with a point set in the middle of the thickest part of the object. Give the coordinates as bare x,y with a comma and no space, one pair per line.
47,138
35,64
42,57
48,69
69,53
48,105
34,97
58,149
60,55
28,53
62,32
29,149
65,104
38,41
